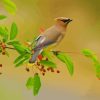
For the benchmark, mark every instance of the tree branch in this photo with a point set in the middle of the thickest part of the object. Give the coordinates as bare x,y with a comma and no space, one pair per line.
70,52
77,53
73,53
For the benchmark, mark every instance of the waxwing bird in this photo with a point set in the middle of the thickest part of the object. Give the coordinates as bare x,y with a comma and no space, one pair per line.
52,35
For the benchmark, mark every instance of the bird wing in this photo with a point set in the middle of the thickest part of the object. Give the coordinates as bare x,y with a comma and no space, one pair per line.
50,36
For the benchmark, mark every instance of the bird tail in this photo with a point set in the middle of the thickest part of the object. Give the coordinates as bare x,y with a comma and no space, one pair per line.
35,55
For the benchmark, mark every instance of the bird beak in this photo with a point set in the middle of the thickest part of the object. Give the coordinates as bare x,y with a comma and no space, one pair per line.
68,21
71,20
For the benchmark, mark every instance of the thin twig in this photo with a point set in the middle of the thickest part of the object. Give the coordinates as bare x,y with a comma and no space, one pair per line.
61,51
70,52
10,48
73,52
77,53
14,49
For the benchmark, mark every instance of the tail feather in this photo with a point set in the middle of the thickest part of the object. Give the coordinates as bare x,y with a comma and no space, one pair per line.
34,56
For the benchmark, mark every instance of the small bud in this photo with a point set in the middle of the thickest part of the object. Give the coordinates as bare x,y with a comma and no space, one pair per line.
0,65
43,74
3,53
58,71
48,69
42,67
46,59
27,69
44,70
52,70
38,64
36,73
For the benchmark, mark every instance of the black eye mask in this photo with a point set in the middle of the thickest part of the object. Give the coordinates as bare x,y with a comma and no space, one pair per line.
64,21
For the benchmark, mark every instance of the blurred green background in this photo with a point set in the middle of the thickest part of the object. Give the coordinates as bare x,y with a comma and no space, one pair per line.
83,32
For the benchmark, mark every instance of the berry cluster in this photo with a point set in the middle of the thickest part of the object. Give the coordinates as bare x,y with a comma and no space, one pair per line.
3,48
3,51
39,68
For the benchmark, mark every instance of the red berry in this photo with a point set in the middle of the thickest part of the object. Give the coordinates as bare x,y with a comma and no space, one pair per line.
40,57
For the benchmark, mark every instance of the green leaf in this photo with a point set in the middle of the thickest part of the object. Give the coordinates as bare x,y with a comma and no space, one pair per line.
36,84
5,38
97,67
1,31
4,33
0,50
7,53
28,50
33,42
48,63
10,6
14,31
20,57
88,53
21,62
11,42
30,82
65,59
47,54
20,48
2,17
27,56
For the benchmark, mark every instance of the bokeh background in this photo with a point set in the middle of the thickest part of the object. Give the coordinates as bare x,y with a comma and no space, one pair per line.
83,32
